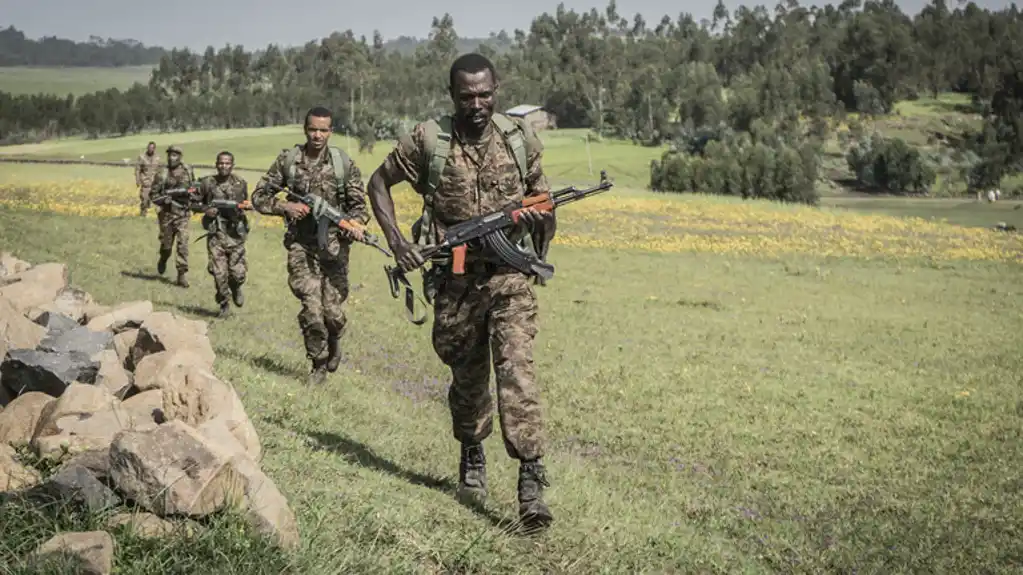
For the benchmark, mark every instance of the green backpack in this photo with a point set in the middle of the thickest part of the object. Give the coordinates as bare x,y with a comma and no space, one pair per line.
338,157
436,147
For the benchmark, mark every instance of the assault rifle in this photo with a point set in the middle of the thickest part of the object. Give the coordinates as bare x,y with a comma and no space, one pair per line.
490,230
229,206
328,216
175,194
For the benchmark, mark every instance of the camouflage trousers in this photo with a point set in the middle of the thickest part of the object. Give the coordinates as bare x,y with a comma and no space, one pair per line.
319,279
144,199
226,263
477,316
174,227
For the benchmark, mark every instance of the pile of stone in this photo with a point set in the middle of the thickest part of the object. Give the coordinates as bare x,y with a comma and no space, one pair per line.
122,401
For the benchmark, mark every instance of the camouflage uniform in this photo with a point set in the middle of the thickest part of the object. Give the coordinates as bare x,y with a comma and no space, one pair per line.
318,278
173,219
146,168
225,242
492,309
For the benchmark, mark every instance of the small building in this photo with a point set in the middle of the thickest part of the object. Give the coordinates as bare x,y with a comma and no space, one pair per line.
537,117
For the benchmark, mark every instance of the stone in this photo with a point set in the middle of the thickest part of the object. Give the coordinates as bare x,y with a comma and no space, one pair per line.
265,507
78,484
36,286
91,552
112,375
123,342
20,419
87,412
128,315
71,302
145,409
10,265
55,323
142,524
194,395
13,474
163,331
173,470
25,370
81,340
16,330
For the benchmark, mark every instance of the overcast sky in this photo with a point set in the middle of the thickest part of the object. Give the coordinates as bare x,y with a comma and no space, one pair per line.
256,23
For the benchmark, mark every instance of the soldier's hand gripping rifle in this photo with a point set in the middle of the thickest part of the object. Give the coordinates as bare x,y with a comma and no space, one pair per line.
328,216
490,230
223,207
176,195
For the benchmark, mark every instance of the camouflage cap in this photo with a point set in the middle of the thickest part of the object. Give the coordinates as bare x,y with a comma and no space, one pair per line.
174,149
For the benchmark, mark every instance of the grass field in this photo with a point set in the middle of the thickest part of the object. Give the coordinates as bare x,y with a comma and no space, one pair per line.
764,413
802,391
74,80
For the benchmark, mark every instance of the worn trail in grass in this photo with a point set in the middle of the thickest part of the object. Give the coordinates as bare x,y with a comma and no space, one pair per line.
707,413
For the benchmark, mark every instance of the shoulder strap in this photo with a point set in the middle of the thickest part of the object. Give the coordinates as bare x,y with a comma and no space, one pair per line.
512,133
289,165
340,161
436,146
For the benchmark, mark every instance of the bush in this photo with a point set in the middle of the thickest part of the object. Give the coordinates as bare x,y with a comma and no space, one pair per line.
767,167
891,164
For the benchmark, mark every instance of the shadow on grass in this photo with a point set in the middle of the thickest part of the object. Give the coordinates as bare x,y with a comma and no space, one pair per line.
135,274
197,310
361,454
265,362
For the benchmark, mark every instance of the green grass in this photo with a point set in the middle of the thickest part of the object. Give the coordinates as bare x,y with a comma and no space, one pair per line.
801,415
959,211
223,544
566,156
72,80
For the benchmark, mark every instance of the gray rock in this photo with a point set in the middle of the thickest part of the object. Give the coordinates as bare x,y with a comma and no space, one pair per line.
25,370
56,323
77,484
80,339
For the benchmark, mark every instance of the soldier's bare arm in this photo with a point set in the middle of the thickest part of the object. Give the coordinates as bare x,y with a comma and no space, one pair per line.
138,171
243,194
353,200
401,165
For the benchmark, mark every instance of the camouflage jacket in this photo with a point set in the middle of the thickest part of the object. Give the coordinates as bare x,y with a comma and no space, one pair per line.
146,168
170,178
315,177
226,225
478,178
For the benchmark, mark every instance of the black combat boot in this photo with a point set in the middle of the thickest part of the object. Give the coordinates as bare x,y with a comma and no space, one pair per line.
334,357
182,280
236,294
161,266
532,510
318,373
472,475
225,310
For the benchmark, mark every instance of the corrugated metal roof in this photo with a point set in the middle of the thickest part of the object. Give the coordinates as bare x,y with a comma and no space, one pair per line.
522,110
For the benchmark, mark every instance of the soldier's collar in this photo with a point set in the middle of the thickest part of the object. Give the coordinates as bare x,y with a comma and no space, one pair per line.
487,132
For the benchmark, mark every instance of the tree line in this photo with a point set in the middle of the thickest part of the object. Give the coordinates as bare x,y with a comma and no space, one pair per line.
746,97
18,50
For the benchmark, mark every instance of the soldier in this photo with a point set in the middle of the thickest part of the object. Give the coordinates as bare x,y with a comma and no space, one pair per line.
174,213
146,166
226,232
463,166
317,275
